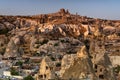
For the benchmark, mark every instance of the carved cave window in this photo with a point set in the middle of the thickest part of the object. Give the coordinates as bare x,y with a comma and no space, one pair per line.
101,76
101,70
41,76
96,66
44,75
46,67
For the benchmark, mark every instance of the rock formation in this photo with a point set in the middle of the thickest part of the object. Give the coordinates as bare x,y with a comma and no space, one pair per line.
101,61
46,70
81,67
92,65
12,50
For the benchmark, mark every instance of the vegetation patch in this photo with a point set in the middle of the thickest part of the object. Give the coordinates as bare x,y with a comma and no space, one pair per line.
4,31
14,72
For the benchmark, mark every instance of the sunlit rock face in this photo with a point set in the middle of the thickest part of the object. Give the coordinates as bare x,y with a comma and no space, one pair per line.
101,61
93,65
62,30
80,67
46,70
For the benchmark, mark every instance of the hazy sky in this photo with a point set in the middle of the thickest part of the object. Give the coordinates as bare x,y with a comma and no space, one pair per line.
109,9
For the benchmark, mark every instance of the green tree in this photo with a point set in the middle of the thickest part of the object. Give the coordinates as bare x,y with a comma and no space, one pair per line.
29,77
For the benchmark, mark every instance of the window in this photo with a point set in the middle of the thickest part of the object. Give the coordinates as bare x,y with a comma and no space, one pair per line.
101,70
44,75
46,67
51,68
41,76
100,45
101,76
95,66
95,70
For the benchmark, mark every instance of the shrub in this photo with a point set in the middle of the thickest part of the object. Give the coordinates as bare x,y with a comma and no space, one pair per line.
45,41
56,44
52,58
2,52
87,44
13,72
117,69
4,31
29,77
19,63
58,64
62,41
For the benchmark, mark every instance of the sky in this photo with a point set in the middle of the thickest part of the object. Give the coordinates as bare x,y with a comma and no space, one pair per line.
104,9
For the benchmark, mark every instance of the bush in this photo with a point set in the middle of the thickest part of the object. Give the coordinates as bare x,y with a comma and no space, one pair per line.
13,72
4,31
91,56
52,58
2,52
27,61
29,77
45,41
37,46
19,63
118,34
117,69
58,64
56,44
71,51
87,44
62,41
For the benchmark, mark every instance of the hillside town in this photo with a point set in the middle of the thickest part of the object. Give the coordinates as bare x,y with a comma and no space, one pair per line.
59,46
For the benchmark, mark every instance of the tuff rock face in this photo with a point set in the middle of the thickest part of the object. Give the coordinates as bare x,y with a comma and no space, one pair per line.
46,70
3,43
81,67
12,50
63,30
101,61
